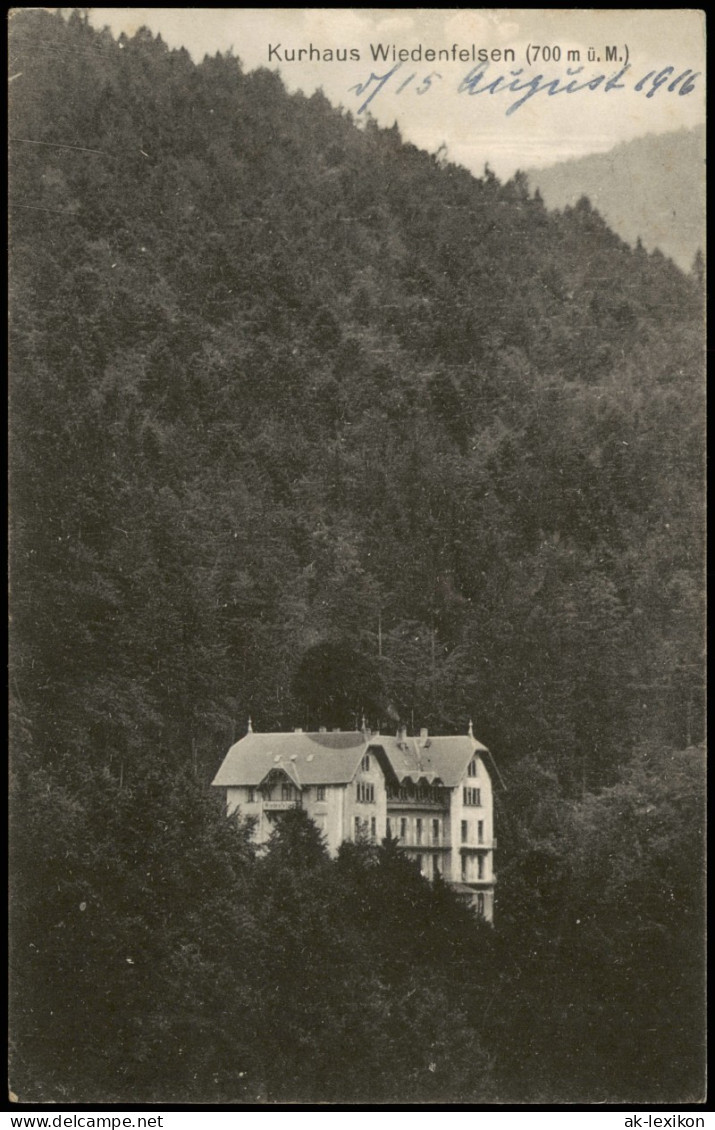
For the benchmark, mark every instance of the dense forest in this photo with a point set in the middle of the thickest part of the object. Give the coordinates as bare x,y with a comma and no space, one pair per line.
308,423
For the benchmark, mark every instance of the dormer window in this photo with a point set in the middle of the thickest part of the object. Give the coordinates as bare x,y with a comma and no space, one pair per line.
366,762
472,771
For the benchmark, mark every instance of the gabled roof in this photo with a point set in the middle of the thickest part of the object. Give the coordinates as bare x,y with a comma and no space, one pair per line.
309,759
441,759
280,773
333,758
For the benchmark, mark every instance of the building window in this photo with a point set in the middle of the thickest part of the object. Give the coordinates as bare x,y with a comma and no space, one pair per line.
373,829
480,905
435,865
480,831
287,792
464,868
251,796
389,828
320,792
403,829
366,762
480,867
472,797
418,861
357,828
472,771
465,834
418,831
435,831
365,792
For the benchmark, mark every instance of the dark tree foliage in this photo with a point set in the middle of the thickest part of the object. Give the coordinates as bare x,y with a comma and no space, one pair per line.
305,420
336,683
600,941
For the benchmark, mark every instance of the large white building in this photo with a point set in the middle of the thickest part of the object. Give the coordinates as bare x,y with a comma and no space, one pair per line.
432,794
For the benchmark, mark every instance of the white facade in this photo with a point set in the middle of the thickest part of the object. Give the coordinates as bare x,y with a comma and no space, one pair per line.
442,812
433,794
343,810
365,805
472,830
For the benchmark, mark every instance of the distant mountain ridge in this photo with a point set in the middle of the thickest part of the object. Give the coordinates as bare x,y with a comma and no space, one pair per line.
652,188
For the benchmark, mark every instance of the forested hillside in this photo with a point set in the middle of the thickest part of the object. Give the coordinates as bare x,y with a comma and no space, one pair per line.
306,423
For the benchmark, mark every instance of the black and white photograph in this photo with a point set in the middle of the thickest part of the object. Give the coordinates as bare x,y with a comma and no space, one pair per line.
357,558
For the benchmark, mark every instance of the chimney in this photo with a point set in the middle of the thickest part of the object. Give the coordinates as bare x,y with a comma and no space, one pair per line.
250,725
321,729
402,734
297,730
424,734
471,729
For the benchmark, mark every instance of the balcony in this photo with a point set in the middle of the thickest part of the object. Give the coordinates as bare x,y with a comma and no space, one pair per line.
281,805
425,845
395,803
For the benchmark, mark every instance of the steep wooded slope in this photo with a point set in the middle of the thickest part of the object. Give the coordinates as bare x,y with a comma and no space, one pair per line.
295,379
287,397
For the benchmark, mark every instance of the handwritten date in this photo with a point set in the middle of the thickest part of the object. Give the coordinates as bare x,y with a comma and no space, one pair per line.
573,81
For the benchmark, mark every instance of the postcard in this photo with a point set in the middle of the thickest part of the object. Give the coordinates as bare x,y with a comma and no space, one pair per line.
356,527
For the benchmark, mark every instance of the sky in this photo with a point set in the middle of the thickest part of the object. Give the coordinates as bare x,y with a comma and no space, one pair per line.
474,127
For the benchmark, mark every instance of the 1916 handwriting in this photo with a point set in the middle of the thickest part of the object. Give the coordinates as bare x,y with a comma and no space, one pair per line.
574,81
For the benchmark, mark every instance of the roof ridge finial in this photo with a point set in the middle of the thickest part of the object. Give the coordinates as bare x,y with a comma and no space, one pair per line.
471,730
418,755
250,725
